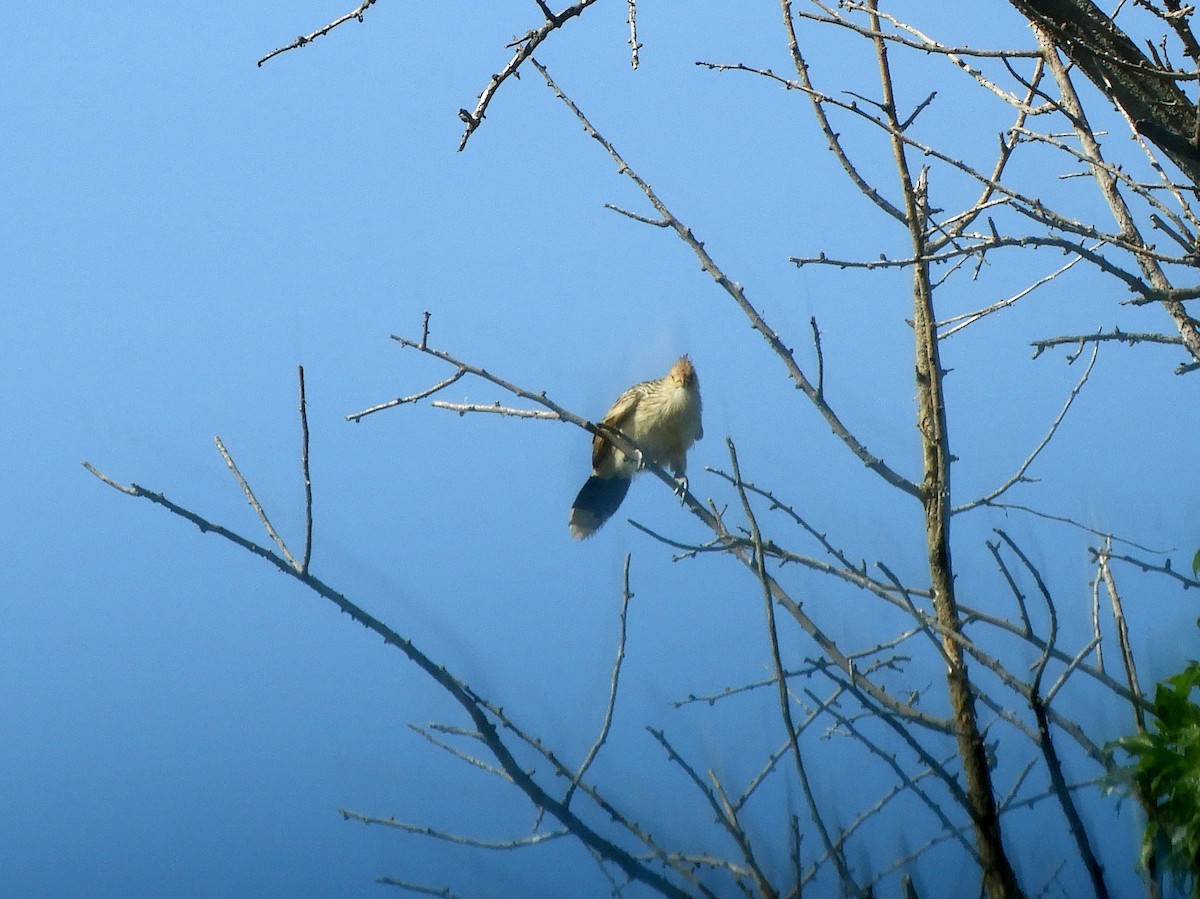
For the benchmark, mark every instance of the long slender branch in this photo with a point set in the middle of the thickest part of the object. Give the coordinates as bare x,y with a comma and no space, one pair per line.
455,751
615,680
419,888
495,409
736,292
532,839
413,398
785,705
1039,704
800,64
998,876
256,505
1019,476
525,47
934,768
725,814
954,324
1126,337
471,702
321,32
1127,658
308,497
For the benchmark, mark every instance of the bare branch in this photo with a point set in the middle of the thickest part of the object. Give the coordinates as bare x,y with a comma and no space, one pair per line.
443,892
634,44
956,323
416,397
1039,704
1164,568
308,497
471,702
785,710
303,40
1061,519
525,47
1019,476
1073,108
458,753
739,297
909,782
532,839
464,408
728,816
626,596
1040,346
255,505
1127,659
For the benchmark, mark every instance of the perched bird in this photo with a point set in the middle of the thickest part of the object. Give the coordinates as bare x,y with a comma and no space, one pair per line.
663,418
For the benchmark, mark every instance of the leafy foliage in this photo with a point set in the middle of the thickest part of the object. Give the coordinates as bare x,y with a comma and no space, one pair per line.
1167,774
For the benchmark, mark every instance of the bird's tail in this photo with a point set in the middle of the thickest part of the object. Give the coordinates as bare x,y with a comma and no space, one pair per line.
598,500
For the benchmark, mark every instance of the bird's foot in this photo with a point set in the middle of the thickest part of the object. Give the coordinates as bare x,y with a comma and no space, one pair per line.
681,487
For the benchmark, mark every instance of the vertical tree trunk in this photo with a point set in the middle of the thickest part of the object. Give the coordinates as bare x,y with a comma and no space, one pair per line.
999,878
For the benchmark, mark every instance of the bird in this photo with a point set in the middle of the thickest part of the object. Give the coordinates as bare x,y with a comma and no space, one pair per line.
663,419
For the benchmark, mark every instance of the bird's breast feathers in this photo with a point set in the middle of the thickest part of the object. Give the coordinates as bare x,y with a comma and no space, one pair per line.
667,421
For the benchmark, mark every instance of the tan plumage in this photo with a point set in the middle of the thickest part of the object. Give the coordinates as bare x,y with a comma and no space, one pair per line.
663,419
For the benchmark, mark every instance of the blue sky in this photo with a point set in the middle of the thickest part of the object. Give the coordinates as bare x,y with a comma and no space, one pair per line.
184,228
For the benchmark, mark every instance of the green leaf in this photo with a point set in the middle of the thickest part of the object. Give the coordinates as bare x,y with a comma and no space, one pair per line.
1165,773
1196,564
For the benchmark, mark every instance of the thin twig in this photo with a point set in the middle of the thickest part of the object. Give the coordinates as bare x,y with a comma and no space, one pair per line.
937,769
458,753
785,710
1126,337
626,596
736,292
1063,519
476,707
1126,648
256,506
441,892
720,805
1165,568
416,397
954,324
517,843
1019,476
729,817
321,32
634,44
524,50
308,497
496,408
1039,705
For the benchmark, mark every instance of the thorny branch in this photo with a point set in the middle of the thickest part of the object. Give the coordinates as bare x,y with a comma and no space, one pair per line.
524,51
785,703
937,238
306,39
740,549
738,294
480,711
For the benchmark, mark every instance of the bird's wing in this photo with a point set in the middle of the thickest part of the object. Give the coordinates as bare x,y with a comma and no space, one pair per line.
617,417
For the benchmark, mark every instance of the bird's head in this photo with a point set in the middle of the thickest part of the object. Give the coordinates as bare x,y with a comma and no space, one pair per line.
683,373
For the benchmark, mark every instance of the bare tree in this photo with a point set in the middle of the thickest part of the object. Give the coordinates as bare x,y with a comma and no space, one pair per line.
940,753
